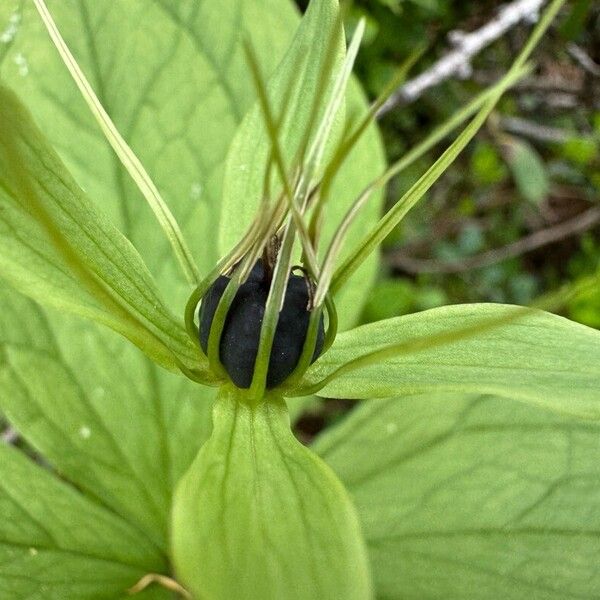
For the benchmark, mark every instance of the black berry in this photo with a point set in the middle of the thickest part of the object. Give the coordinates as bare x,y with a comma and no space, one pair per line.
241,333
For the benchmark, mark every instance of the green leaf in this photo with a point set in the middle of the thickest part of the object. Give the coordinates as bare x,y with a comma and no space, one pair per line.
259,516
365,162
56,544
181,138
538,358
472,497
528,170
104,416
95,272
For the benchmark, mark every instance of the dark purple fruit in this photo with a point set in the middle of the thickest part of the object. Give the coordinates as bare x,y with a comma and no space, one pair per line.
241,332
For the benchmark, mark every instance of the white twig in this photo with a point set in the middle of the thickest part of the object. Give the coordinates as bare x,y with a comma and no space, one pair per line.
467,45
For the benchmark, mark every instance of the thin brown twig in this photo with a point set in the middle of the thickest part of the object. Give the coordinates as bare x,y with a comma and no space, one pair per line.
582,222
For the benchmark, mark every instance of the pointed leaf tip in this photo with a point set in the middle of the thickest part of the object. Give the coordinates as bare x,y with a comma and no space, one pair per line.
258,516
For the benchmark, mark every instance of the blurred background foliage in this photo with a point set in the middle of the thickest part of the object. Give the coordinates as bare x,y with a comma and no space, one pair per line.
519,213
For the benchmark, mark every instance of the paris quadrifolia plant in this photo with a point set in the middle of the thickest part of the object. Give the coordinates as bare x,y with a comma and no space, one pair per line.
157,340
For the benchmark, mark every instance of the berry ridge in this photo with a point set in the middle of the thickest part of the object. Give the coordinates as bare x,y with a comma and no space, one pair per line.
240,337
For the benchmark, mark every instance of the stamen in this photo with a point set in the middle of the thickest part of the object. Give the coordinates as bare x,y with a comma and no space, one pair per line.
331,52
276,152
317,150
274,302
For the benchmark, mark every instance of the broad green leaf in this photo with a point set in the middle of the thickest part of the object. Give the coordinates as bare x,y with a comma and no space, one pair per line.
528,170
190,48
56,544
472,497
539,358
104,416
259,516
182,138
32,180
166,418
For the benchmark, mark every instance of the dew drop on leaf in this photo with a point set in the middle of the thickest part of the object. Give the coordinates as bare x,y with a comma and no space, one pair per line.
391,428
98,393
85,432
8,35
195,190
22,64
